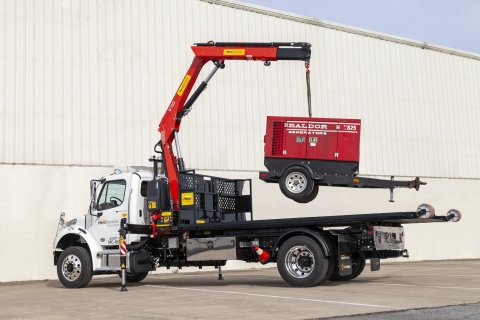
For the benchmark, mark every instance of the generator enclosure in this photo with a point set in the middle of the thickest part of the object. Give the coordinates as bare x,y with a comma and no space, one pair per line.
326,145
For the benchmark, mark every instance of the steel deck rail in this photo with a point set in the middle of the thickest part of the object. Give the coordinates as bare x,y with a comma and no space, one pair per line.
327,221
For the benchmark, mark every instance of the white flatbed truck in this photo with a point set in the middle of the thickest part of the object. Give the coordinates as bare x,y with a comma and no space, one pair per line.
140,220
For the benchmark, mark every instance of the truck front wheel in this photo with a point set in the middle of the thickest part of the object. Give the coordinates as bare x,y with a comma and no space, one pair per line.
135,277
296,183
74,267
302,263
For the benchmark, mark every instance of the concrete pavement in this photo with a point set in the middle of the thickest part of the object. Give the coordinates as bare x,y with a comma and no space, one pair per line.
252,294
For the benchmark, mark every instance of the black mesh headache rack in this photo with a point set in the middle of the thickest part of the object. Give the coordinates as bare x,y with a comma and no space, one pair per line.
206,200
392,218
209,203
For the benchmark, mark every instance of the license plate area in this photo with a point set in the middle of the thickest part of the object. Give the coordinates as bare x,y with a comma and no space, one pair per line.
389,238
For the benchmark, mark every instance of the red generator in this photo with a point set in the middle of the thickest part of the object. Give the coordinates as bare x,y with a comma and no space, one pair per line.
327,146
303,153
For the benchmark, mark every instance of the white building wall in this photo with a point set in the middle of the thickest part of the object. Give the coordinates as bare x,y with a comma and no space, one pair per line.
31,202
84,84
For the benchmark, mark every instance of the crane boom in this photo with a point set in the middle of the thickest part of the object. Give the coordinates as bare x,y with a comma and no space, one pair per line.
217,52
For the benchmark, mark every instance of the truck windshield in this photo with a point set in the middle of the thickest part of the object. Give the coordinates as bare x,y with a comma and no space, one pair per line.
112,195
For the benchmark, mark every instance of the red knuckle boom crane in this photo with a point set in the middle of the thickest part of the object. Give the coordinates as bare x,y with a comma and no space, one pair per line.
218,53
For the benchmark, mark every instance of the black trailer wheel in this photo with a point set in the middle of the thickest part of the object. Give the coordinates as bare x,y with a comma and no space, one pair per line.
358,264
302,263
74,267
296,183
310,197
135,277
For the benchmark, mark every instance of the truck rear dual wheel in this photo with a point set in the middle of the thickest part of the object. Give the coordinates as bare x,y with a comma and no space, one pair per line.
358,264
74,267
297,184
302,263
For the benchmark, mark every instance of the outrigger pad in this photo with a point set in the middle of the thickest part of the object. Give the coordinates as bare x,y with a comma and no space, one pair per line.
374,264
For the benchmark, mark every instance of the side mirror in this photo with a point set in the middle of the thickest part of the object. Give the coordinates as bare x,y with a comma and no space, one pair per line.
93,206
93,196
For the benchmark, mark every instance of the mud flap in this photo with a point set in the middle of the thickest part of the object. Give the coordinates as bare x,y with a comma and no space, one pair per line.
344,255
374,264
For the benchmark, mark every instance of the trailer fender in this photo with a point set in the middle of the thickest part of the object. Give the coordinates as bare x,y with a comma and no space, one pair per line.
306,167
74,235
327,246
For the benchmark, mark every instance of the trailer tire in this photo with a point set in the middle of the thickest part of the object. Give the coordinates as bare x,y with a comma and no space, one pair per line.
296,183
357,268
310,197
302,263
135,277
74,267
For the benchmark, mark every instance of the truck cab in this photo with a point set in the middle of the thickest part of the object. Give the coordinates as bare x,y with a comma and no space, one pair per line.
118,196
95,236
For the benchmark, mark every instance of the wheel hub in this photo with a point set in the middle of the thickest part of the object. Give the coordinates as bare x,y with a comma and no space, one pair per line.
71,267
300,261
304,262
296,182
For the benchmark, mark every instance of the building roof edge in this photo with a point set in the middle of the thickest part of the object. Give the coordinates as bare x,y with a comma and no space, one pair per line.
340,27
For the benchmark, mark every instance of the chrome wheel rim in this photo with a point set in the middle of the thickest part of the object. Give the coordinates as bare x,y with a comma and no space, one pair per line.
296,182
300,261
71,267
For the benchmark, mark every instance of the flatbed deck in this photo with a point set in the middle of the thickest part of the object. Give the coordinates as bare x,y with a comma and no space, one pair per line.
326,221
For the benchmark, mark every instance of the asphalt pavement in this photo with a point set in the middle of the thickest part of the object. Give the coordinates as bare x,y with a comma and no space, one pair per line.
407,290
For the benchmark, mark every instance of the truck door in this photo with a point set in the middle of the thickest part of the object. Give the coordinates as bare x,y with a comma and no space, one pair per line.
145,214
139,213
112,203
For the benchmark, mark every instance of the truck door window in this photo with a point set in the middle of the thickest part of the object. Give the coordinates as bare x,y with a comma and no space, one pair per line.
143,189
112,195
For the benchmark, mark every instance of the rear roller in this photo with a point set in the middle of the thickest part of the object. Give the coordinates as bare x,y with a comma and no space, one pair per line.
425,211
453,215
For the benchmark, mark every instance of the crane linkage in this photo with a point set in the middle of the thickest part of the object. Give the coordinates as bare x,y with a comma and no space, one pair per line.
218,53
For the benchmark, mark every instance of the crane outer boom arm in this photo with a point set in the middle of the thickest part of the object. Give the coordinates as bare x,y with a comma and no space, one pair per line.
220,51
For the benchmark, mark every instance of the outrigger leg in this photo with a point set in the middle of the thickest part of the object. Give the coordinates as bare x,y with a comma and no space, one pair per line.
123,255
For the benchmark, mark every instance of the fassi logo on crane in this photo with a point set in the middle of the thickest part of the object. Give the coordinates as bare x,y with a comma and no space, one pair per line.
234,52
